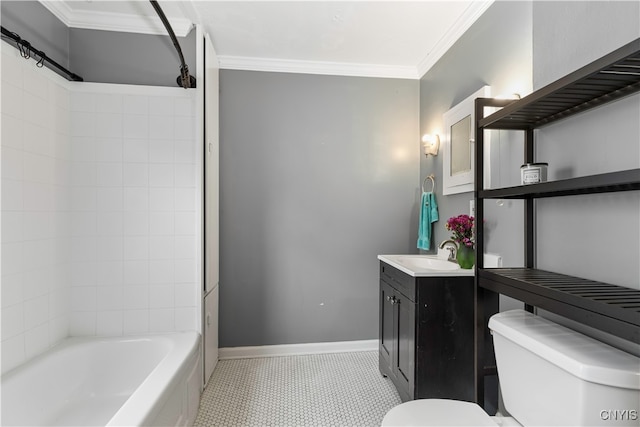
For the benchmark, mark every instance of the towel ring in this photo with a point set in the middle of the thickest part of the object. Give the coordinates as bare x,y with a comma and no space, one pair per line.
433,183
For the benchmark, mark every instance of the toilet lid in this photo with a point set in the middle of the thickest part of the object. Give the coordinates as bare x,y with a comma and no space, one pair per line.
437,412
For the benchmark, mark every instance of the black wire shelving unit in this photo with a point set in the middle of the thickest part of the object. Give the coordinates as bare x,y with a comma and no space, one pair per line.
607,307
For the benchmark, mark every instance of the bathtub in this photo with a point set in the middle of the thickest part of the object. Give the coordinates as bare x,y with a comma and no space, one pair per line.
123,381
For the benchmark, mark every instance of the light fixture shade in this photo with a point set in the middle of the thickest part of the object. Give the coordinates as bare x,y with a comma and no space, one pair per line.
431,144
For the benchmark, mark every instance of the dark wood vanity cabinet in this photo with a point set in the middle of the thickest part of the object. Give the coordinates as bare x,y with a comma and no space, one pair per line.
426,340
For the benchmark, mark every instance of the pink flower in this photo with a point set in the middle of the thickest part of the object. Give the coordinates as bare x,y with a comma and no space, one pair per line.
462,228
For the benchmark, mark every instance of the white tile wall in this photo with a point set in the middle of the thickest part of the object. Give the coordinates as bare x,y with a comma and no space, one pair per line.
133,204
98,209
35,289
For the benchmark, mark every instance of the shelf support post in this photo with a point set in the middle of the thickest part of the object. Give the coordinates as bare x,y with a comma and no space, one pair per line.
486,303
479,335
529,211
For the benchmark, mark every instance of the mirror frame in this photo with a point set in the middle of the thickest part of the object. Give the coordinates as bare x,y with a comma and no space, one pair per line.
461,182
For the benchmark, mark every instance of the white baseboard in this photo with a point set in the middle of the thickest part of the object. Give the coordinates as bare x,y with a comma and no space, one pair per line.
296,349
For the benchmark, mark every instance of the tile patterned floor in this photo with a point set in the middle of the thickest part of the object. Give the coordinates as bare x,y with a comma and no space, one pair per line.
338,389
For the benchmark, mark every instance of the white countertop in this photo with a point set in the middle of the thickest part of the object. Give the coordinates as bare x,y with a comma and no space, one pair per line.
425,265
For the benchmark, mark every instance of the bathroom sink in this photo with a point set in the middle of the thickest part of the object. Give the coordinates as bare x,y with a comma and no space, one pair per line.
420,262
424,265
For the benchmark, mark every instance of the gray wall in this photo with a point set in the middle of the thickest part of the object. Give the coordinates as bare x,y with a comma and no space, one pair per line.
100,56
138,59
495,51
595,236
318,175
33,22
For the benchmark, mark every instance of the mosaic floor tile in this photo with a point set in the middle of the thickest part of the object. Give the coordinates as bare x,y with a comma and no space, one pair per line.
337,389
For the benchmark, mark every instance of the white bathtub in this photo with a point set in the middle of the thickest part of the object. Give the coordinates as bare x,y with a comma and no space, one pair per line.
123,381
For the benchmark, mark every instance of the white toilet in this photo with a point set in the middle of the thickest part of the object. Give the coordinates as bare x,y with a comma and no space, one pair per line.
549,376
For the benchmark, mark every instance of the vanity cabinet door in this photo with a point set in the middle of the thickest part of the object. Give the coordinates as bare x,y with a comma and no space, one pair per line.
405,331
387,337
397,339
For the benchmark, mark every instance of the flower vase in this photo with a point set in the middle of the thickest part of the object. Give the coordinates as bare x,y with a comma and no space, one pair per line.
466,257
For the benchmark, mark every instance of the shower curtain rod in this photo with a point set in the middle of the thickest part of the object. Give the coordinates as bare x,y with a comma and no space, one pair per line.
26,49
184,79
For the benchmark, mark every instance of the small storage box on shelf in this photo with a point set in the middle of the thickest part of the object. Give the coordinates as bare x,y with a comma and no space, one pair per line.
607,307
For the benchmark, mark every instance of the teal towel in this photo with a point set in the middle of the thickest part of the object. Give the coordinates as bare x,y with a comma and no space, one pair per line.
428,215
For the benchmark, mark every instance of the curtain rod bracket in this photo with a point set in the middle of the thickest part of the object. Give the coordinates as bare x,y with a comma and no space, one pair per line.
184,79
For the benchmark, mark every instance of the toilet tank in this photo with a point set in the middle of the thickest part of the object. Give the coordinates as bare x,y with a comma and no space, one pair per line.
554,376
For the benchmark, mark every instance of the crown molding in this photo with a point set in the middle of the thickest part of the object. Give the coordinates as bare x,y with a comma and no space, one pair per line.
317,67
107,21
471,15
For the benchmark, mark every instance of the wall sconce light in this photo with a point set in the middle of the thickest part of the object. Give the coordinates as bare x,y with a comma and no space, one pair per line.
431,144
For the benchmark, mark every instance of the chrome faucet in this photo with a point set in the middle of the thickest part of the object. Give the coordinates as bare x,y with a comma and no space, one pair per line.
452,248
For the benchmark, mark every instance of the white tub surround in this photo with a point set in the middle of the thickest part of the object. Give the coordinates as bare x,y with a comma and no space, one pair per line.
101,234
133,381
36,268
101,209
134,198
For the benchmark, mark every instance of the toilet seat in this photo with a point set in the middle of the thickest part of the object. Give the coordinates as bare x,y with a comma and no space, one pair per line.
437,412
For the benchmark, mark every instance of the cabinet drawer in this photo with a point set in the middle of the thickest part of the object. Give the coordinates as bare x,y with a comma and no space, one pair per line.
399,280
